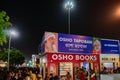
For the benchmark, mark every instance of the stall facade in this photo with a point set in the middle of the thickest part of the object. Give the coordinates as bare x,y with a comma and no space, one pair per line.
61,63
62,53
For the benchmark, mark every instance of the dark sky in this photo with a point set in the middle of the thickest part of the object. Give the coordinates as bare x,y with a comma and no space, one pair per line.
88,17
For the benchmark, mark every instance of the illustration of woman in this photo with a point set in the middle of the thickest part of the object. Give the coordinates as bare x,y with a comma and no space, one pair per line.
96,47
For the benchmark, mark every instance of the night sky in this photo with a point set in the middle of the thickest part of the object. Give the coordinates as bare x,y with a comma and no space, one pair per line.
96,18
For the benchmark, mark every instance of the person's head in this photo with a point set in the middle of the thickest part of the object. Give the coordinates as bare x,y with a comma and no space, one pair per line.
19,75
50,37
30,71
97,45
50,45
27,78
39,75
51,74
68,73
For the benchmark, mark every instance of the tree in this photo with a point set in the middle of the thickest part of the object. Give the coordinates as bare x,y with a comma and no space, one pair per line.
4,23
16,56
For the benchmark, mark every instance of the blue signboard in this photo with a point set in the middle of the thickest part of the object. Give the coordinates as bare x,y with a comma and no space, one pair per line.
110,46
58,42
74,43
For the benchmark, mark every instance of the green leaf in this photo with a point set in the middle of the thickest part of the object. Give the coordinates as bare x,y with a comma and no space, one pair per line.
4,23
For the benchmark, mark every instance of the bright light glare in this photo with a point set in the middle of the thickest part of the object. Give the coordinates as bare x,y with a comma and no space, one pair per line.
44,60
14,33
69,5
118,12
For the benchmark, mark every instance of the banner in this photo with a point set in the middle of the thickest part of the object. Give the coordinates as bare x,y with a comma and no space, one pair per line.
110,46
58,42
74,43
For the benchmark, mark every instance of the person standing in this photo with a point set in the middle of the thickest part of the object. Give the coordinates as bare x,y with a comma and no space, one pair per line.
33,75
51,77
68,76
82,74
39,76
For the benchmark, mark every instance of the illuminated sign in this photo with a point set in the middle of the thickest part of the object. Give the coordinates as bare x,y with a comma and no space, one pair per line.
73,57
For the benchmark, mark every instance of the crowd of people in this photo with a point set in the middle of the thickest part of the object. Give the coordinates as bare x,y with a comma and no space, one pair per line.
83,74
34,74
20,74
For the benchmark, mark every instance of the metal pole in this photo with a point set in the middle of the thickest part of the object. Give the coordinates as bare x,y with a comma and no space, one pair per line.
69,19
9,51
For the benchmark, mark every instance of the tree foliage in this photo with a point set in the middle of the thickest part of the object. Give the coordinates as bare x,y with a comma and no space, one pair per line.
4,23
16,56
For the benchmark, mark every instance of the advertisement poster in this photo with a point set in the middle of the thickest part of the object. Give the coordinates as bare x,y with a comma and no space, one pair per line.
74,43
53,68
110,46
65,67
58,42
96,46
51,42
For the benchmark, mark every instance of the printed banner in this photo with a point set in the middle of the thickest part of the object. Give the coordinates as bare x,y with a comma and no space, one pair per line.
110,46
58,42
74,43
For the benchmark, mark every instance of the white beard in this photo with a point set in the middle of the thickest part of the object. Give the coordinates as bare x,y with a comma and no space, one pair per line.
52,47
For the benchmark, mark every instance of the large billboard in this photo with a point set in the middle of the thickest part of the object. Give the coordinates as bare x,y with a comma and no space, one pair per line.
58,42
